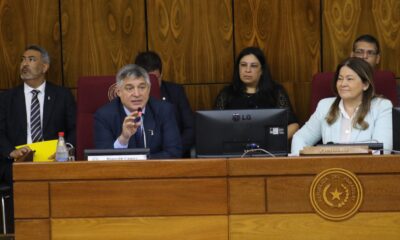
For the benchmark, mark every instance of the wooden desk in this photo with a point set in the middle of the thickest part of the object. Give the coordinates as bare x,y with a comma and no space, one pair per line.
199,199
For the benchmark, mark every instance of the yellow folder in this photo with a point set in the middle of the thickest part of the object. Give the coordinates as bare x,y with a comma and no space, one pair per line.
43,150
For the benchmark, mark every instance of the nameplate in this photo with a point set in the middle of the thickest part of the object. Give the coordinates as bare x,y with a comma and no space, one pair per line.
335,150
117,157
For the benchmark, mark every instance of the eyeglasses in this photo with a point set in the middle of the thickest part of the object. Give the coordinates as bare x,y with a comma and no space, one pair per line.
362,52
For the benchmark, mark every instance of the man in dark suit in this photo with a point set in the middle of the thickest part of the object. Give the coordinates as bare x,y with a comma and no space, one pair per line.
56,109
135,120
172,93
57,106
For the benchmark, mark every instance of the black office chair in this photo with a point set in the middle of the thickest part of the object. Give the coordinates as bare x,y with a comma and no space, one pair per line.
4,194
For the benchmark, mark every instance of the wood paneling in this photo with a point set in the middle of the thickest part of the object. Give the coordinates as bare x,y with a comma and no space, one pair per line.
32,229
247,195
100,36
340,21
311,227
302,94
345,20
156,207
154,228
381,192
24,23
289,33
312,165
202,97
292,194
120,169
194,39
386,16
288,194
197,40
139,198
31,200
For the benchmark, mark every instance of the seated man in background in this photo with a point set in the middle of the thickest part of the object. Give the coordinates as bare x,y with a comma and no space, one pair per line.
33,111
367,47
135,120
172,93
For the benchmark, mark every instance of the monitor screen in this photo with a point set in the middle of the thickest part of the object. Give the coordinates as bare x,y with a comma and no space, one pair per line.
116,154
396,128
230,132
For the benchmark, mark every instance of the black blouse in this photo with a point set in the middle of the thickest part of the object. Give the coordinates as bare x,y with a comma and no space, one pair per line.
226,99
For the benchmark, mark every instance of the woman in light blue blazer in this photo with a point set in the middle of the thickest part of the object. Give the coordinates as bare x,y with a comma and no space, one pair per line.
355,115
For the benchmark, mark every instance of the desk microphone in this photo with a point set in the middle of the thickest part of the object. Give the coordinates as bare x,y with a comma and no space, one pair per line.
139,116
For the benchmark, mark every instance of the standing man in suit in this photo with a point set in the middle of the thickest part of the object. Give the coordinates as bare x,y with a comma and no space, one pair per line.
172,93
53,106
135,120
367,47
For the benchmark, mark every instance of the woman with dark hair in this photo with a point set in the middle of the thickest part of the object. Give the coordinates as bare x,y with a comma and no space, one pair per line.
356,114
252,87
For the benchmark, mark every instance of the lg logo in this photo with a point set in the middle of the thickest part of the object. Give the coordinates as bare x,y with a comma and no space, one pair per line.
236,117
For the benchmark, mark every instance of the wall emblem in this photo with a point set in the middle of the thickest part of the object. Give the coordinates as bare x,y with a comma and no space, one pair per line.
336,194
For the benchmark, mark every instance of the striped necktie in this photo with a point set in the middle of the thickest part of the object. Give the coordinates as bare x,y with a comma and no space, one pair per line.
36,123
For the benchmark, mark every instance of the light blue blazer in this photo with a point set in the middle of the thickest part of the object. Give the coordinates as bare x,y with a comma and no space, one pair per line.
316,128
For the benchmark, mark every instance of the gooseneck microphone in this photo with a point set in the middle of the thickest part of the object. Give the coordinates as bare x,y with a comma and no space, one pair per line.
142,129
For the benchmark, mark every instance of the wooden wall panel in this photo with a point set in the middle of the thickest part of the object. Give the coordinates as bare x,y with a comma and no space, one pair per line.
100,36
28,22
345,20
289,33
194,39
149,228
197,40
202,96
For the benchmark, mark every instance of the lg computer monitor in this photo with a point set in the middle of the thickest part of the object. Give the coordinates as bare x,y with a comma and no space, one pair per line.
228,133
396,128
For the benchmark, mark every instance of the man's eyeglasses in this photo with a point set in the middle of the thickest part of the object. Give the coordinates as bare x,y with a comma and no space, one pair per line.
362,52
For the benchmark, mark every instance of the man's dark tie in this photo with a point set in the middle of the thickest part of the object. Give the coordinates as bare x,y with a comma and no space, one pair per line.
36,123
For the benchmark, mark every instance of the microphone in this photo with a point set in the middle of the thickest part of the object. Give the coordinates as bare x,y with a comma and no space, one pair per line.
139,117
143,133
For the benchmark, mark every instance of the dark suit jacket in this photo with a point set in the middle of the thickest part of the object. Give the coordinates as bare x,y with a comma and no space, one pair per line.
162,134
175,94
59,116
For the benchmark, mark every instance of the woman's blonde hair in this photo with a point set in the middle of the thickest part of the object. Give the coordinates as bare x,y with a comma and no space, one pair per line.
365,72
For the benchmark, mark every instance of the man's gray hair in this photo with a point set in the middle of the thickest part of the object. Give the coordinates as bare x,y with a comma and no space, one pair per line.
43,52
132,70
